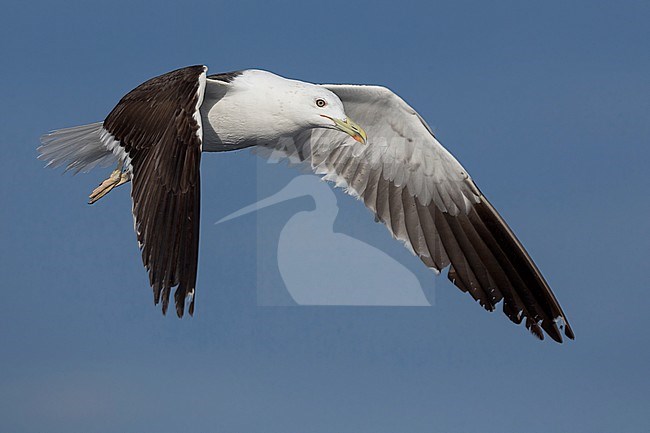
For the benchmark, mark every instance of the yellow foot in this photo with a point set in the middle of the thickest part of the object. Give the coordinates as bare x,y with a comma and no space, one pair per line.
117,178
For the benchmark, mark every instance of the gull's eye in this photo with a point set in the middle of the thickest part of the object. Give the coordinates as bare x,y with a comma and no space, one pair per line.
320,103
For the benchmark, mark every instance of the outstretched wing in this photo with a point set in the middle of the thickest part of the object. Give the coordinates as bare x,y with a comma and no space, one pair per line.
157,126
427,200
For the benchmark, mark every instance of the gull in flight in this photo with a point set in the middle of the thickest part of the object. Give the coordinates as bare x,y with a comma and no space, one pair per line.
362,138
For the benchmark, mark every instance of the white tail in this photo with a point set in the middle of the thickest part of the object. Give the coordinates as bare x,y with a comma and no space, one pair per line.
80,148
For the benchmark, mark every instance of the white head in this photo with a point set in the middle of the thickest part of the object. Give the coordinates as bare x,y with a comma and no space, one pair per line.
272,106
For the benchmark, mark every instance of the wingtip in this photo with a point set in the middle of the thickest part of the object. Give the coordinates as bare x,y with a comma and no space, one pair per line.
561,324
555,330
537,332
556,335
180,297
568,331
179,301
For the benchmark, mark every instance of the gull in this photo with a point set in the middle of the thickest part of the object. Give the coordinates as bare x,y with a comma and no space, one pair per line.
362,138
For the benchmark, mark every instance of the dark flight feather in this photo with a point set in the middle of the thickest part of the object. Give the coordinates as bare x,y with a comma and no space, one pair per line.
155,124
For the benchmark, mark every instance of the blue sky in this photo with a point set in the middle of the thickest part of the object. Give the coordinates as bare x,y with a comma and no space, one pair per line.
546,104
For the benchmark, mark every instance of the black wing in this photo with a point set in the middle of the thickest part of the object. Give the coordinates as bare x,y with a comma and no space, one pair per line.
159,127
